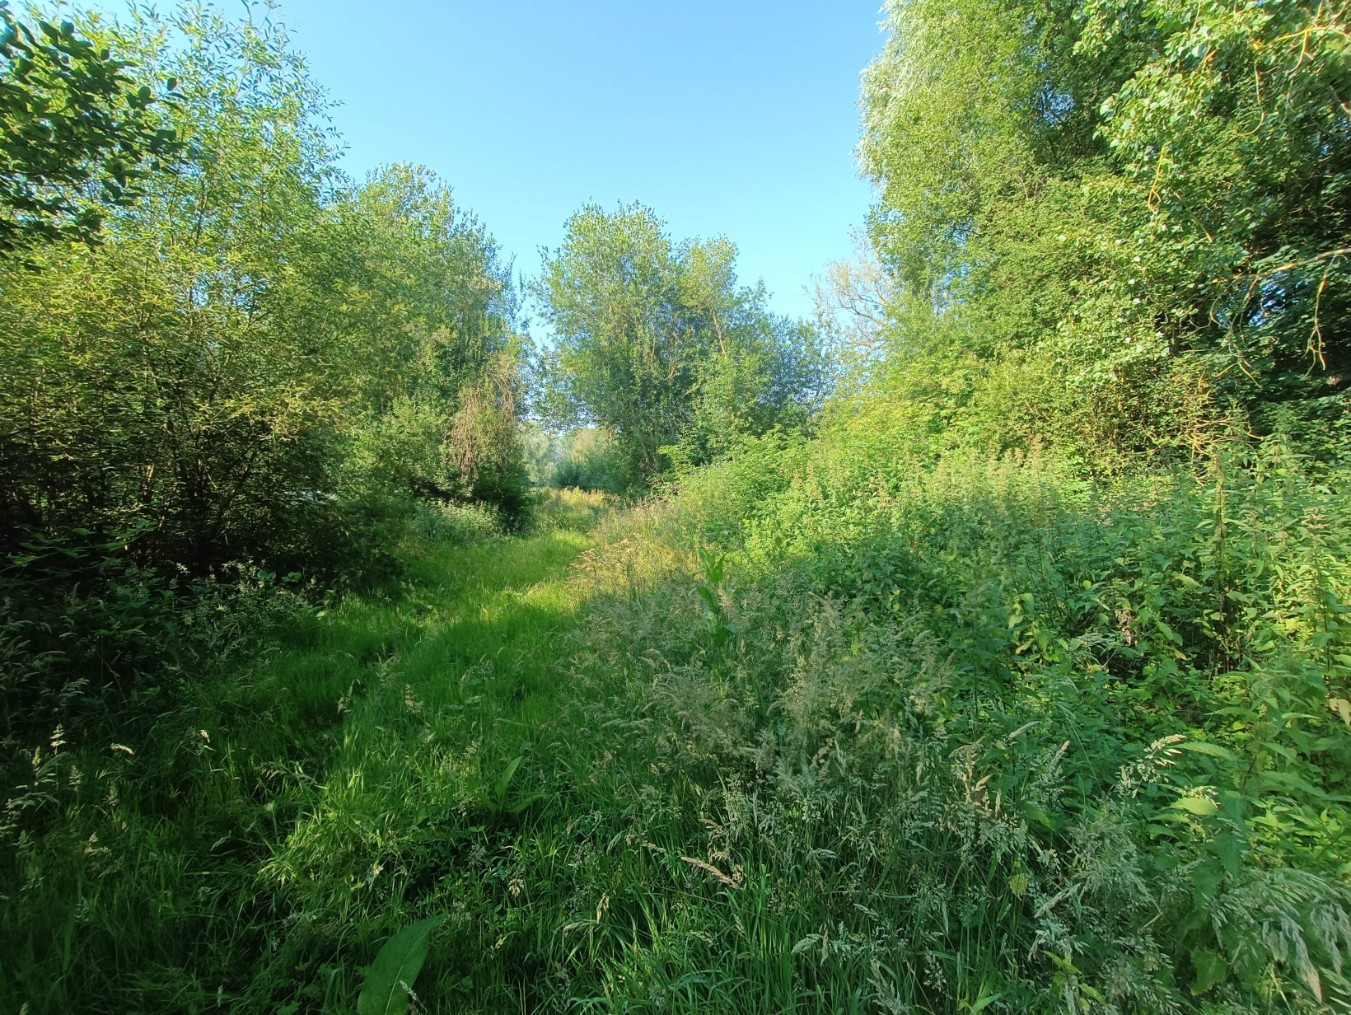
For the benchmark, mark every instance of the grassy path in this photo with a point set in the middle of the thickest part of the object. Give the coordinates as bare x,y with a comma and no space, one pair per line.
262,836
443,751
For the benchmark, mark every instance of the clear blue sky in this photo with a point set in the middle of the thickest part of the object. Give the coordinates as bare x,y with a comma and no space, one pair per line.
737,117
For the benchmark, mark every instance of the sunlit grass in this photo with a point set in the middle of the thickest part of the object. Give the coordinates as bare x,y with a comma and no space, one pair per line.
271,815
901,749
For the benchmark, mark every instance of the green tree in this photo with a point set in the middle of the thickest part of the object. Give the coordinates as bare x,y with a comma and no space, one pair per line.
260,355
411,301
151,387
79,135
1112,219
657,343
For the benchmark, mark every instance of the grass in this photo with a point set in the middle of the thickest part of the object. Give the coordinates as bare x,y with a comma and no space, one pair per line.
809,733
289,809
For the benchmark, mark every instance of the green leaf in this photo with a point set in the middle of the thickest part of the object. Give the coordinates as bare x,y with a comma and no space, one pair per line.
1210,970
504,780
1228,850
1209,749
524,802
1287,781
1198,805
389,977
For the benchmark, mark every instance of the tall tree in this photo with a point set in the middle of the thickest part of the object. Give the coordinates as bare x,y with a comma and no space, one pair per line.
658,343
1115,217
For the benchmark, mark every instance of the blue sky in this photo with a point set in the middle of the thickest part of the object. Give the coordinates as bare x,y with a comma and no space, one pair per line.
732,118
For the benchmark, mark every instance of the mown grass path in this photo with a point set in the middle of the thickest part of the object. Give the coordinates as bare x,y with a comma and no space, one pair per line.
443,748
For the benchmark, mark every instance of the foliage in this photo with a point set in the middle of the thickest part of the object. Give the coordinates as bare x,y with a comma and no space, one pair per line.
1122,216
258,356
264,369
1021,716
815,729
81,135
1020,680
592,459
388,987
657,344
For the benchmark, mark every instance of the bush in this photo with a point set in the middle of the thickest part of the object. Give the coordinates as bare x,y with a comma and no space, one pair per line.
456,524
86,629
593,460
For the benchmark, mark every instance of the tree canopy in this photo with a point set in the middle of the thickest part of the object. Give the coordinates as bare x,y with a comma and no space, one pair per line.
1120,220
262,356
75,120
656,341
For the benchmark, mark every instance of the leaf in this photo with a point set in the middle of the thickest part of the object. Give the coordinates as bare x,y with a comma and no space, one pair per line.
524,802
1198,805
984,1002
1228,849
709,596
1289,781
1209,749
389,977
1210,970
504,780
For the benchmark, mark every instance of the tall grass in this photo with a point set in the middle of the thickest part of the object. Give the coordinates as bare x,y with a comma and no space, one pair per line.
247,846
989,737
807,732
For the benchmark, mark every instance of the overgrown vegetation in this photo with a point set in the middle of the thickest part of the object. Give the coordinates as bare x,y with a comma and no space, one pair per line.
1013,674
260,370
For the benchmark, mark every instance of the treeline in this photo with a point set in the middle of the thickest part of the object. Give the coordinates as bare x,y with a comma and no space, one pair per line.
256,352
659,349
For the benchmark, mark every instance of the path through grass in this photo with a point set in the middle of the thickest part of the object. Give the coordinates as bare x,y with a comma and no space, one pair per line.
256,842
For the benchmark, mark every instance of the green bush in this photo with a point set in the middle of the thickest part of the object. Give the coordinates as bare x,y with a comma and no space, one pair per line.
591,459
91,636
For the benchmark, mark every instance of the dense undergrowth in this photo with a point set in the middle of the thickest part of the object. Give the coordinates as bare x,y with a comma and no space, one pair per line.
988,736
806,733
159,854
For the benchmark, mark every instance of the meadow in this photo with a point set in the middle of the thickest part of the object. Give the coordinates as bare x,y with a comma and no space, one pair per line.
765,743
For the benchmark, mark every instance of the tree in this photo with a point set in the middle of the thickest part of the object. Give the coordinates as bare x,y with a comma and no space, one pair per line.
260,358
80,134
412,304
151,387
1114,218
656,342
